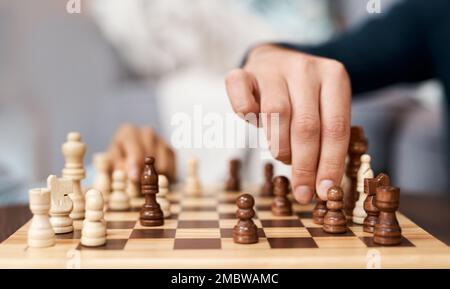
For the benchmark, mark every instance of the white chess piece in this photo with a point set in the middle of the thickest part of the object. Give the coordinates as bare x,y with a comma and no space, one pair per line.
161,197
93,233
40,232
364,172
132,189
119,199
61,204
193,186
74,151
102,179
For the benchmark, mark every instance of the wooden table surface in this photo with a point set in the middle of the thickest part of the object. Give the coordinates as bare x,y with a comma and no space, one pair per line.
430,212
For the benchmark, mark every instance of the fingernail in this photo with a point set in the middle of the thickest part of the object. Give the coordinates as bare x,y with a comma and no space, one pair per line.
303,194
323,188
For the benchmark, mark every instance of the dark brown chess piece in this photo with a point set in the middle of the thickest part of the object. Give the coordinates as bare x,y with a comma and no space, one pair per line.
370,188
357,147
245,231
151,214
335,221
387,230
281,205
319,210
233,183
267,188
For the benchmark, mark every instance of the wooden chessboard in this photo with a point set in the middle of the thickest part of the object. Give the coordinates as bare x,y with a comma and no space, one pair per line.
198,235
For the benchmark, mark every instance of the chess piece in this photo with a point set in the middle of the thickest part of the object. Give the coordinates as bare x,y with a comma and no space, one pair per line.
102,179
163,186
93,233
172,166
370,187
267,188
319,211
119,200
346,183
40,232
193,186
151,214
74,151
357,147
387,230
245,231
132,189
233,183
364,172
61,204
281,205
335,221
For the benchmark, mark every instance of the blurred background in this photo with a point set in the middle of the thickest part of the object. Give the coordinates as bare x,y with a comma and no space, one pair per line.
141,61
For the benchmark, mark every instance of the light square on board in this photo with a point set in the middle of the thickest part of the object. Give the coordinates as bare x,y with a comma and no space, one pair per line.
198,233
122,216
339,242
198,215
198,202
149,245
287,232
267,215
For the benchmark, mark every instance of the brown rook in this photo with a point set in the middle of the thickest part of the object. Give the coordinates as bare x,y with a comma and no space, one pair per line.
387,230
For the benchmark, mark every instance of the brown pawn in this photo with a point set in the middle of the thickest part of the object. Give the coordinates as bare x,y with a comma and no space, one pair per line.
319,210
267,188
245,231
335,221
281,205
356,148
233,183
387,230
151,214
370,188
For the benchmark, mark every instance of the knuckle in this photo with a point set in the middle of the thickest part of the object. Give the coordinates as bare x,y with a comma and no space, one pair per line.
338,129
277,107
234,76
335,68
303,173
307,126
243,108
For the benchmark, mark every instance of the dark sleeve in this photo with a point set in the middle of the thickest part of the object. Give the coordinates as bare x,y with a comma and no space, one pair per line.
391,48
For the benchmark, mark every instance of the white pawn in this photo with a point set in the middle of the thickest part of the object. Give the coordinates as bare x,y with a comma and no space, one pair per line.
102,179
119,199
193,186
61,204
40,232
132,189
93,233
161,197
364,172
74,150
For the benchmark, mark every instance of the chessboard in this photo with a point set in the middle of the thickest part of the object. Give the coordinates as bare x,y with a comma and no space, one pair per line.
198,234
